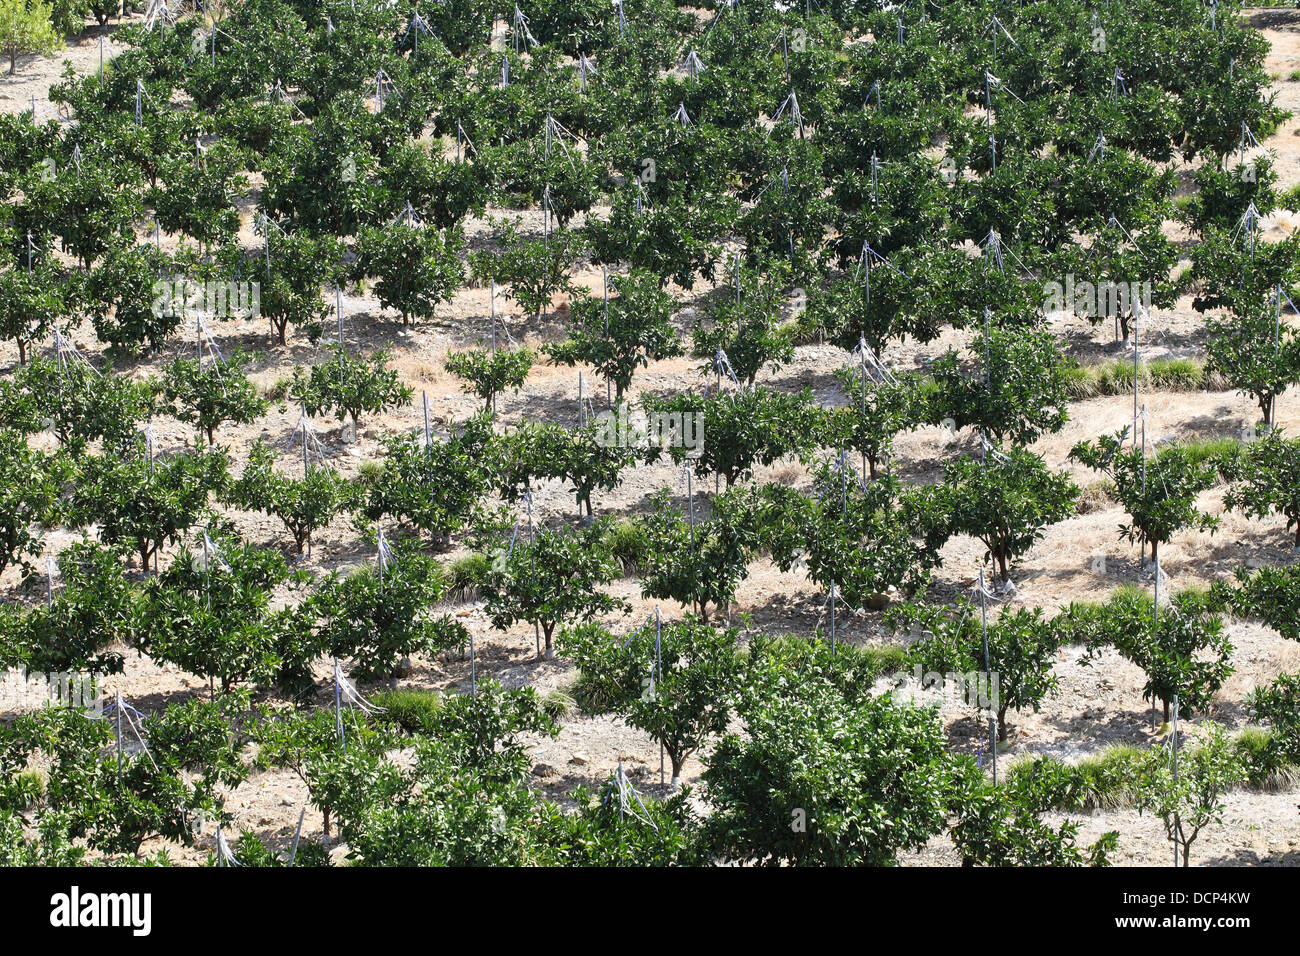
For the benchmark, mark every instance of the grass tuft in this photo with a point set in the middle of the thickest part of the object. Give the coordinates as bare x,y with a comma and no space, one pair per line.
466,574
627,542
1115,377
411,709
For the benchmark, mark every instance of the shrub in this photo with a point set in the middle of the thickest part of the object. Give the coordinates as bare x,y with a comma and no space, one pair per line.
487,374
1190,799
1266,476
1159,491
379,614
818,780
412,709
207,396
466,574
552,580
623,336
676,683
1006,501
434,488
628,543
348,386
304,504
1116,377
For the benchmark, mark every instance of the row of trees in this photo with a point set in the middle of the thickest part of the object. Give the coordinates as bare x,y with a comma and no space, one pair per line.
862,541
359,192
1006,498
882,781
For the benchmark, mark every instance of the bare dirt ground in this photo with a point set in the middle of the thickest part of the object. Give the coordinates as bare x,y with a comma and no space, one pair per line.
1097,705
35,74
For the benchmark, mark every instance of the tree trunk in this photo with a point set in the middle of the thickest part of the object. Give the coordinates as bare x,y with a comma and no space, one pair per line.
13,65
676,760
1002,725
1166,706
22,352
